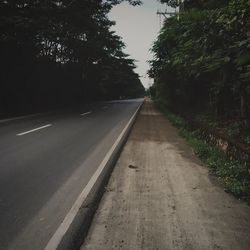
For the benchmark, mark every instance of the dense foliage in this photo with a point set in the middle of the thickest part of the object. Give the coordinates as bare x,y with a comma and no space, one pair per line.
189,4
59,52
202,59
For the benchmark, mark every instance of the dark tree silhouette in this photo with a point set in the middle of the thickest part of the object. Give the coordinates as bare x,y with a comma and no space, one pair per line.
60,52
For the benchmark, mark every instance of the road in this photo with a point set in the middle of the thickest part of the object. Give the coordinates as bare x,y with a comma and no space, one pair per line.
46,161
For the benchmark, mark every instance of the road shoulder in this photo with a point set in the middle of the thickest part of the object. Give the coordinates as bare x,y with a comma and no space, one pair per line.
160,196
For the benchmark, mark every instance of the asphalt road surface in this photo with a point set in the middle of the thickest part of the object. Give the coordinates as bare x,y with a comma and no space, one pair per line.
46,161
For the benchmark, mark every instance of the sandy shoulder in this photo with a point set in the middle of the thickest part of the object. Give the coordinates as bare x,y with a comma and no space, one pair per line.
160,196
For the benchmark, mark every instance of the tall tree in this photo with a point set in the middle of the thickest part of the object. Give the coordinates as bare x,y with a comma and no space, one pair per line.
202,60
53,50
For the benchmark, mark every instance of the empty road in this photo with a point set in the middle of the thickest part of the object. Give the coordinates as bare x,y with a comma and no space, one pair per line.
46,161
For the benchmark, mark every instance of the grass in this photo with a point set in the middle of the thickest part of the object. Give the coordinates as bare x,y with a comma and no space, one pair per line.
236,176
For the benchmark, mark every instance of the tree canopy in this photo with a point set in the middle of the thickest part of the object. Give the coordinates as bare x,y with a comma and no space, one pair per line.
202,59
62,51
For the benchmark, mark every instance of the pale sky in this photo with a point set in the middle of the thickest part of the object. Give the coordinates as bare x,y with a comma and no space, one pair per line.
138,26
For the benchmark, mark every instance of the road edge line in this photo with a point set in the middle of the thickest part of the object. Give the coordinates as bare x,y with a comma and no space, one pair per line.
74,228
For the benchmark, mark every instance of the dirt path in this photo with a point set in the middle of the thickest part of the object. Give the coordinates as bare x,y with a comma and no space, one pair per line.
161,197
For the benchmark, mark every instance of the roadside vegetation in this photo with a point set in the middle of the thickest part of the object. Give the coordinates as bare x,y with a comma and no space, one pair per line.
58,53
201,71
234,175
201,65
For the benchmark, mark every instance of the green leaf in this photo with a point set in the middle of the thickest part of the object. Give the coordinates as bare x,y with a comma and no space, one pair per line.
243,59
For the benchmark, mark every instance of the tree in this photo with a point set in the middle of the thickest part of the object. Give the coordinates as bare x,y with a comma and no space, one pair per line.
50,49
202,60
198,4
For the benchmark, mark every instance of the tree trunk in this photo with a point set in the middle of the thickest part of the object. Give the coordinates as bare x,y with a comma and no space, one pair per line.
244,104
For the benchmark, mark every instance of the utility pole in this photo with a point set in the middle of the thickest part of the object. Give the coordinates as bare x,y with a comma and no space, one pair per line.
180,7
167,13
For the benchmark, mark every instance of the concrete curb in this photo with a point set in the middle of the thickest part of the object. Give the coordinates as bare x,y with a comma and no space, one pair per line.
73,236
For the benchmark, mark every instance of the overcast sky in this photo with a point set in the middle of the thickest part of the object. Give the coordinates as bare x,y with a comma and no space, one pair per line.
138,26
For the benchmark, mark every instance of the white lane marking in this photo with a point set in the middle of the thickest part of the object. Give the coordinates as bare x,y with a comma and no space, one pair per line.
63,228
35,129
87,113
